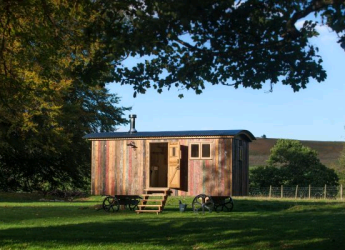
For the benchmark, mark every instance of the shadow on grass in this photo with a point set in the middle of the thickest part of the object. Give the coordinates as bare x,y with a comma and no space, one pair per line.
182,233
254,224
43,210
256,205
36,197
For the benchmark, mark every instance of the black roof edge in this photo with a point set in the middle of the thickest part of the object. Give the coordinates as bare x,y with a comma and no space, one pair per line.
194,133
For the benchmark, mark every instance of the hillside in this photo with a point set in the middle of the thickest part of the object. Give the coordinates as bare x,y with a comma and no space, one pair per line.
329,152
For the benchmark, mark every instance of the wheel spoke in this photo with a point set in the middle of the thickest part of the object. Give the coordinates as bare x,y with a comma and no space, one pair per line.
107,203
110,204
229,204
197,203
197,207
202,202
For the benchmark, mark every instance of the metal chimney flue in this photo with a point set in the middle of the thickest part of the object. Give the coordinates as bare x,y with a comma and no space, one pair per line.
132,130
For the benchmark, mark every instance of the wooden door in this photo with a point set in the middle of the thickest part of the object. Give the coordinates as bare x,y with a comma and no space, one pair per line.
174,156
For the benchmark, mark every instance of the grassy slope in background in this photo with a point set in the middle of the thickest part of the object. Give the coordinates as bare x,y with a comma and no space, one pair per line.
328,152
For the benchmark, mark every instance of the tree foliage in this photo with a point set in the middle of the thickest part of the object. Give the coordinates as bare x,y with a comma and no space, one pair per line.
291,163
52,77
58,157
265,176
340,166
234,43
342,158
57,56
48,48
186,44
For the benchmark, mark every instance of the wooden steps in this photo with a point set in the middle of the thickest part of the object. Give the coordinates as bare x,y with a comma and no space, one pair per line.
153,201
149,205
147,211
152,195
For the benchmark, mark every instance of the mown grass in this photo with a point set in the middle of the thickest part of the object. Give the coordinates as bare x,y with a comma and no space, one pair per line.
26,223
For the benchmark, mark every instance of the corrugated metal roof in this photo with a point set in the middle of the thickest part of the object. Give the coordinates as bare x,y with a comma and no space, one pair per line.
194,133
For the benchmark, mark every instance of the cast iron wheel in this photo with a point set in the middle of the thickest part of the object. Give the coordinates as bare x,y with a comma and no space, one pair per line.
133,204
111,204
228,204
202,202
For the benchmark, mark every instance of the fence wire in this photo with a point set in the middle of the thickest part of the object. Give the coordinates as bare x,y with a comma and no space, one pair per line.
326,192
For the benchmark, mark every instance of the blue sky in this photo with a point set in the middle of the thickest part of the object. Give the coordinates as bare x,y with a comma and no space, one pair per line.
315,113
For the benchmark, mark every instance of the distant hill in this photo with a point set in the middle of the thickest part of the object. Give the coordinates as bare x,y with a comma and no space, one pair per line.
329,152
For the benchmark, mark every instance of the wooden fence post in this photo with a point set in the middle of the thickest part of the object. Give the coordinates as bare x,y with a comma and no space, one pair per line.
270,194
341,191
296,192
281,191
309,192
325,194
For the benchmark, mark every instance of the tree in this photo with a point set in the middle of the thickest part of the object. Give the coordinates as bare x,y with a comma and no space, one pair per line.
49,159
342,157
265,176
187,44
233,43
340,167
291,163
53,69
50,49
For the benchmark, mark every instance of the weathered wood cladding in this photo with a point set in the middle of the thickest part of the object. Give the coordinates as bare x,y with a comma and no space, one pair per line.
118,167
209,176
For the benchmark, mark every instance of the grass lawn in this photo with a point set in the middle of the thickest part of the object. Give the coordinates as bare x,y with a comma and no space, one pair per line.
27,223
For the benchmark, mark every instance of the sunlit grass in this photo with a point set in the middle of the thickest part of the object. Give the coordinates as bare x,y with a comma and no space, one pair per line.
26,223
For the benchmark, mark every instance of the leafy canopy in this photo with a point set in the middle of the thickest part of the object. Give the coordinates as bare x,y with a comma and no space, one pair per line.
185,44
234,43
48,158
56,57
52,77
340,166
291,163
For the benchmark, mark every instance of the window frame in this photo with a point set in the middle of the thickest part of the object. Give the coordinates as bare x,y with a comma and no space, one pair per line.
190,150
200,144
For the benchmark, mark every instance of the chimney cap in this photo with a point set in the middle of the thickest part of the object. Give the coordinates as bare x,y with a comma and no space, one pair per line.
132,116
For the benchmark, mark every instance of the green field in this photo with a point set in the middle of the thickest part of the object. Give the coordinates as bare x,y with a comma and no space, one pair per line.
26,223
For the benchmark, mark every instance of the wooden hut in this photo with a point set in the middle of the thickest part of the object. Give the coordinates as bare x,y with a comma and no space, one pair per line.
214,162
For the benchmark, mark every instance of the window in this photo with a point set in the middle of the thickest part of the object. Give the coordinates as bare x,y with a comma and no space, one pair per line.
173,152
206,150
200,150
194,150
